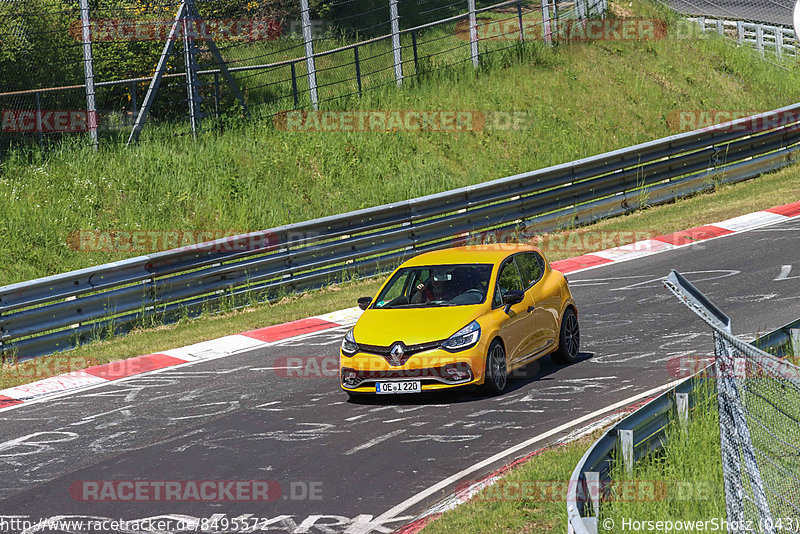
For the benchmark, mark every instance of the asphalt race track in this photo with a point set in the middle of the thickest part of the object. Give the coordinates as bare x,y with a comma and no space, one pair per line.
770,11
345,464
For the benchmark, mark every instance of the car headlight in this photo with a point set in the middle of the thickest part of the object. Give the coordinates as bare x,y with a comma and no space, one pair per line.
463,339
349,346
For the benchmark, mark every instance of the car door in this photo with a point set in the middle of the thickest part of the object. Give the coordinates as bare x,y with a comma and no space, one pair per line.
543,319
514,328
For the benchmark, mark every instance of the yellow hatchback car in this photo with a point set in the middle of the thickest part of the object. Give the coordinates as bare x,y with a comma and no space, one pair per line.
457,317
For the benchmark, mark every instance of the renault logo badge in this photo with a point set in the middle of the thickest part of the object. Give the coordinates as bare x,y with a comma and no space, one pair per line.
397,353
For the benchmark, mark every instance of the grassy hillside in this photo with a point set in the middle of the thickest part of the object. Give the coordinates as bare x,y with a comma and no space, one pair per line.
581,99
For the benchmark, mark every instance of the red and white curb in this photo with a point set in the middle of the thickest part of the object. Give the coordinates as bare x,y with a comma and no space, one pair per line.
684,238
246,341
206,350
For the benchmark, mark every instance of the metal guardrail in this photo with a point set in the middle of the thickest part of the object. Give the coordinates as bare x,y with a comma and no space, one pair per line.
779,40
58,312
645,430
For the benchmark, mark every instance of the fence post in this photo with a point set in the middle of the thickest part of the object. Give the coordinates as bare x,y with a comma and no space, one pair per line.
779,41
546,29
473,33
294,84
740,31
519,17
580,9
394,17
309,40
760,38
132,89
414,49
358,68
190,64
216,94
39,120
88,72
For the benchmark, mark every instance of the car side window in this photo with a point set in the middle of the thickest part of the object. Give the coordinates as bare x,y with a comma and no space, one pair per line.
531,266
508,279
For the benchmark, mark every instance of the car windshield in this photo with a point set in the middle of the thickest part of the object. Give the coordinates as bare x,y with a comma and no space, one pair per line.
436,285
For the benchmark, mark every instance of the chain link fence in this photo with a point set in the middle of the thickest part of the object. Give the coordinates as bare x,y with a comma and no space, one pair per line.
117,69
758,397
766,25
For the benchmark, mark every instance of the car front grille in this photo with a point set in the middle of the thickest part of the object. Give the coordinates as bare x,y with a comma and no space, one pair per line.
408,351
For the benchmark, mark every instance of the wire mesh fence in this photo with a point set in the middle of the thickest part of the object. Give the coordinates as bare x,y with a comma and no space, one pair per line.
764,11
763,25
758,397
180,66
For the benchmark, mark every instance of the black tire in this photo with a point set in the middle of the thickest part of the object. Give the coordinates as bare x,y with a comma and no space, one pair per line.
496,375
569,339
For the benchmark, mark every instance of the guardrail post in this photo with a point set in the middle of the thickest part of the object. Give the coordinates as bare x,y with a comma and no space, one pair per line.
546,29
760,38
309,42
593,491
398,56
473,32
682,405
625,439
88,72
794,335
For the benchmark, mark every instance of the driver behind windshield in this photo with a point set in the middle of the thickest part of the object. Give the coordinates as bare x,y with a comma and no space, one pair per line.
440,286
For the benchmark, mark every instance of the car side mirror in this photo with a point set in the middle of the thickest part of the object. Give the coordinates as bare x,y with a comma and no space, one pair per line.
512,297
364,302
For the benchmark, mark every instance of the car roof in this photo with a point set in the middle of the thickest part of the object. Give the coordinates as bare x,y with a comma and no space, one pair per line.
470,254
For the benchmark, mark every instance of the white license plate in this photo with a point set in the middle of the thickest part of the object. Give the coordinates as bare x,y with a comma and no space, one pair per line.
398,387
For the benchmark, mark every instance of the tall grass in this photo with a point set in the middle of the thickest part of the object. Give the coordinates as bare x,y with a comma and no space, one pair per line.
688,471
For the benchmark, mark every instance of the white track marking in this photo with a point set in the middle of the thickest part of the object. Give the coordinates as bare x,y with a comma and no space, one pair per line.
275,368
373,442
784,274
444,484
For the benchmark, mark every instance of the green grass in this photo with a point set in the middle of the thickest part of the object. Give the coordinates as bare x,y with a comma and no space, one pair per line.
491,511
582,99
687,474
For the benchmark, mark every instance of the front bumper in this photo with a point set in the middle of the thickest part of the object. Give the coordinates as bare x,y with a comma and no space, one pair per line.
435,369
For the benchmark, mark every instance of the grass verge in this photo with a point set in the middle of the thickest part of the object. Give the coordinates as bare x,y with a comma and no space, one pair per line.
496,509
